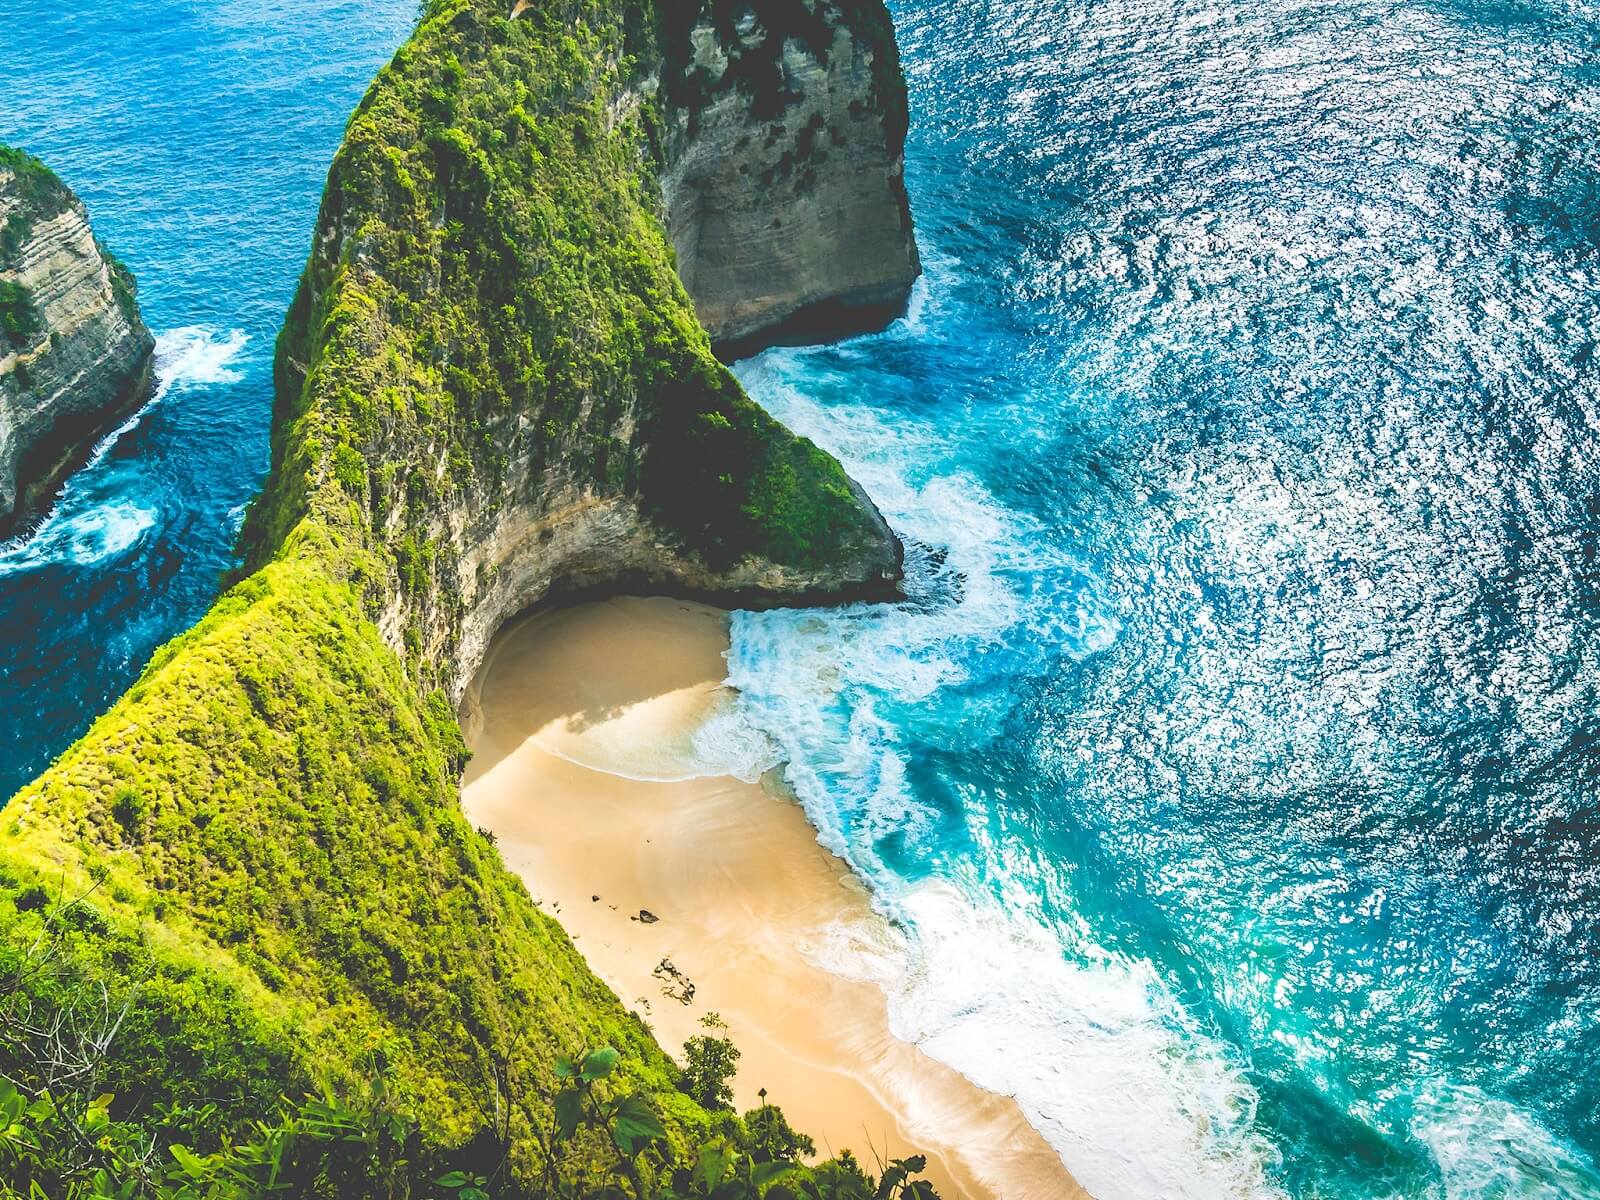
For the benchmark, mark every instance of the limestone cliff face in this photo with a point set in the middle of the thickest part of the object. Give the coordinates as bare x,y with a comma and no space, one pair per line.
74,355
492,353
785,192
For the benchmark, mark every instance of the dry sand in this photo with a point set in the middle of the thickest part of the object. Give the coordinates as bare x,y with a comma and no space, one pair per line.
572,707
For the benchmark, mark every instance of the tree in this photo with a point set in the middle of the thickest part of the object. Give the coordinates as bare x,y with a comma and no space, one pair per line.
770,1138
710,1062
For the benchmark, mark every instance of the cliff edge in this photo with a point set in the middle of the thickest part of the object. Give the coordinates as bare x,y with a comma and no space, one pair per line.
74,355
493,376
785,187
492,387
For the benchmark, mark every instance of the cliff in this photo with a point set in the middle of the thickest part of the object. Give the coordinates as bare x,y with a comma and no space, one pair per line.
785,191
74,355
504,371
492,386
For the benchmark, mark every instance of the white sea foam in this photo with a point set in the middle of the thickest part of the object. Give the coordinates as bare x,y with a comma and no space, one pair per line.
1106,1065
1103,1060
80,538
95,519
1489,1148
725,743
192,355
187,356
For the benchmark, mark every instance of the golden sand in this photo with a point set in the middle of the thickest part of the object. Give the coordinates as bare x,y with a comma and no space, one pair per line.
581,724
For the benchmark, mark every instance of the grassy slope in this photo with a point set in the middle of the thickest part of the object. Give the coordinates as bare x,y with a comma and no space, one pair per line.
269,817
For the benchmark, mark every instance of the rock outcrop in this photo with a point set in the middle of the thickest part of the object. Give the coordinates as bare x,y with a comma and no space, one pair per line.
785,190
558,422
74,355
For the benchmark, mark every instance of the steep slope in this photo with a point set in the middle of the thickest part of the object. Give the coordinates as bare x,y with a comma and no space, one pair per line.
74,355
491,384
785,191
491,357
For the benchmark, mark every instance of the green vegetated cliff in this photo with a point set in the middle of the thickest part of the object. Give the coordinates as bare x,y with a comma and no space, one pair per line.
491,386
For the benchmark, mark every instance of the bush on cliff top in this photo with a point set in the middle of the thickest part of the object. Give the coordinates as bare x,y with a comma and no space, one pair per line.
35,184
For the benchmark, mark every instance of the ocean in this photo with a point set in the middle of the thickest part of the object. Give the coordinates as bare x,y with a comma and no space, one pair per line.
1231,767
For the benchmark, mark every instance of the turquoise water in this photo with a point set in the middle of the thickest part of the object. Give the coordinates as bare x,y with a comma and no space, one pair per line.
1232,769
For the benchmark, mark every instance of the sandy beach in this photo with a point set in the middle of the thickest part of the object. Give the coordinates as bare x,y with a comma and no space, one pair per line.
581,724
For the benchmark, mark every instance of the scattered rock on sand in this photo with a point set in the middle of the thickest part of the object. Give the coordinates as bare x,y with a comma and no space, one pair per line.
679,986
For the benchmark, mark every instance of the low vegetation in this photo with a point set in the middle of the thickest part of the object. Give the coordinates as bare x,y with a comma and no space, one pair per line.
19,319
63,1137
36,193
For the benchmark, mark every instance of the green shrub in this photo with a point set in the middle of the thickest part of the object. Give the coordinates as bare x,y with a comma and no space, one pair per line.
710,1062
19,319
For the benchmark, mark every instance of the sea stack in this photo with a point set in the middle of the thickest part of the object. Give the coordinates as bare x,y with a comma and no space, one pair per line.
785,186
74,355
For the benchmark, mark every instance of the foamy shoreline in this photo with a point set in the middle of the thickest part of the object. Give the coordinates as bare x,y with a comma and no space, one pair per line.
583,724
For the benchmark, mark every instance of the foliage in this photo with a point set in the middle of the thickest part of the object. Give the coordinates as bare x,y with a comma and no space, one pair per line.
601,1137
277,806
123,287
35,184
770,1138
12,234
319,1147
710,1062
726,1167
19,319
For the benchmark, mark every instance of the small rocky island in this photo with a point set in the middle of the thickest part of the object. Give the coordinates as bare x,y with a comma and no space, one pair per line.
74,355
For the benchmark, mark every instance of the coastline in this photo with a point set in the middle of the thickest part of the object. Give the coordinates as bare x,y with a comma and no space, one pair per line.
582,722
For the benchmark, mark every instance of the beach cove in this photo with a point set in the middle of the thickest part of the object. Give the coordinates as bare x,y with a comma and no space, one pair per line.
584,722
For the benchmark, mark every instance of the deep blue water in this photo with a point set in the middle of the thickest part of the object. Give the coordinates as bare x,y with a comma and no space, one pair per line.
1232,770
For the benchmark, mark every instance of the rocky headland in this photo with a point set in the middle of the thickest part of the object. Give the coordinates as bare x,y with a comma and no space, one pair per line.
492,388
539,411
74,356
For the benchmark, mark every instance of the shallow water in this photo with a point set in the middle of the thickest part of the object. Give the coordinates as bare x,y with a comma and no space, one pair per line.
1233,764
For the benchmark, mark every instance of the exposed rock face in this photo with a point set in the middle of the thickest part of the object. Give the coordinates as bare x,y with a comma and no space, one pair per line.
74,355
785,190
606,546
592,442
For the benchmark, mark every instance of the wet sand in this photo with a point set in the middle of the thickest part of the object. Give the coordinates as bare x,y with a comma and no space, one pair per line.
581,723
